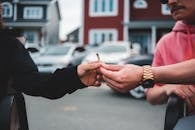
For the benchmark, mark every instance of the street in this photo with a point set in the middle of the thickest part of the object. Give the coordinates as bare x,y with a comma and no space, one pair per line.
93,109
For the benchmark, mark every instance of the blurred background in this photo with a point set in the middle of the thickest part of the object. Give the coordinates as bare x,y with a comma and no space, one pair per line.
62,33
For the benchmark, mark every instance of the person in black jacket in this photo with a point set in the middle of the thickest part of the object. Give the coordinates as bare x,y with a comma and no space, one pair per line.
18,69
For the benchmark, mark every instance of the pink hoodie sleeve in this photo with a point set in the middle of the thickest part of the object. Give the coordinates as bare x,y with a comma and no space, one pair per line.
158,59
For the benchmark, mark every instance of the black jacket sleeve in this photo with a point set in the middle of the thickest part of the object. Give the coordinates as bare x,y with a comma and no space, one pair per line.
27,79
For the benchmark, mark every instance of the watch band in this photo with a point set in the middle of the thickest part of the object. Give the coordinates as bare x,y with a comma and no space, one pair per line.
148,77
147,73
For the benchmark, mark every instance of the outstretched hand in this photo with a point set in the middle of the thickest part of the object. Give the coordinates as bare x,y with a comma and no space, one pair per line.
88,73
121,77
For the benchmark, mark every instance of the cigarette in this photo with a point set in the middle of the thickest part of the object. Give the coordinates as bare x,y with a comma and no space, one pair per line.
98,57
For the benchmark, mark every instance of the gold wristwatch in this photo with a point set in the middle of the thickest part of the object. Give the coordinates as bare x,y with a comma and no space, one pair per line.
147,77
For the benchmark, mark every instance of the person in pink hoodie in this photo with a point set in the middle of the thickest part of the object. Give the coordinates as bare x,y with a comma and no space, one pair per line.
174,47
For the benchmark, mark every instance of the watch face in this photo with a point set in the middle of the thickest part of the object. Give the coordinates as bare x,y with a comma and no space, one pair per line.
148,83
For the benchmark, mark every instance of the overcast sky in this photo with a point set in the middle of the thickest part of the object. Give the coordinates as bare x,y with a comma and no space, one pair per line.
71,16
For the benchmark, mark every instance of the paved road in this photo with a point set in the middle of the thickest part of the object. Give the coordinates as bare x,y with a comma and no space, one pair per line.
93,109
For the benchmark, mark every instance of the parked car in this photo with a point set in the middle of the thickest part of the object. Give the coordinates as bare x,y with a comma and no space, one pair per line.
33,49
79,54
141,60
54,57
34,52
110,52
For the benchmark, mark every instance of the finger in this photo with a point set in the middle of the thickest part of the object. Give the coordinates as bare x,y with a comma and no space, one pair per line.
98,71
109,74
180,93
97,83
99,77
192,89
188,93
112,82
91,66
111,67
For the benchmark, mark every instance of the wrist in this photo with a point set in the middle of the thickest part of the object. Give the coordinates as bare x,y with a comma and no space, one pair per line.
147,80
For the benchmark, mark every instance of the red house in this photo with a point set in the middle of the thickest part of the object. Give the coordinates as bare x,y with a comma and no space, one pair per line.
137,21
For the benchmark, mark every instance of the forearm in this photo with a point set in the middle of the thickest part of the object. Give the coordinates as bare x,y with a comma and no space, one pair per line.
156,95
27,79
183,73
51,86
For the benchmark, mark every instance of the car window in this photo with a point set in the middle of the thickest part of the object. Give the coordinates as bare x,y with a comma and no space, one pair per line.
57,50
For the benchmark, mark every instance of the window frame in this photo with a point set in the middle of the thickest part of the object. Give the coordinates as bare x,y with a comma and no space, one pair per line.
98,36
32,15
32,35
9,7
164,9
99,8
137,4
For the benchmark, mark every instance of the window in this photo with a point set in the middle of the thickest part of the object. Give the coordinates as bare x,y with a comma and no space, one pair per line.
31,36
33,13
165,9
7,10
97,36
103,8
140,4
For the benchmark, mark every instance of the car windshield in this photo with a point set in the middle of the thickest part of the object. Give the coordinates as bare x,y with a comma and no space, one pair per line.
58,50
112,49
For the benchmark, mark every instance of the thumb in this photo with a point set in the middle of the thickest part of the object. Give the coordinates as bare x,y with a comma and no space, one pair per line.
111,67
91,66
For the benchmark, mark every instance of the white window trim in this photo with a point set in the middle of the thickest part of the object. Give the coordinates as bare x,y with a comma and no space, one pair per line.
140,4
30,8
105,31
11,10
164,10
102,14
